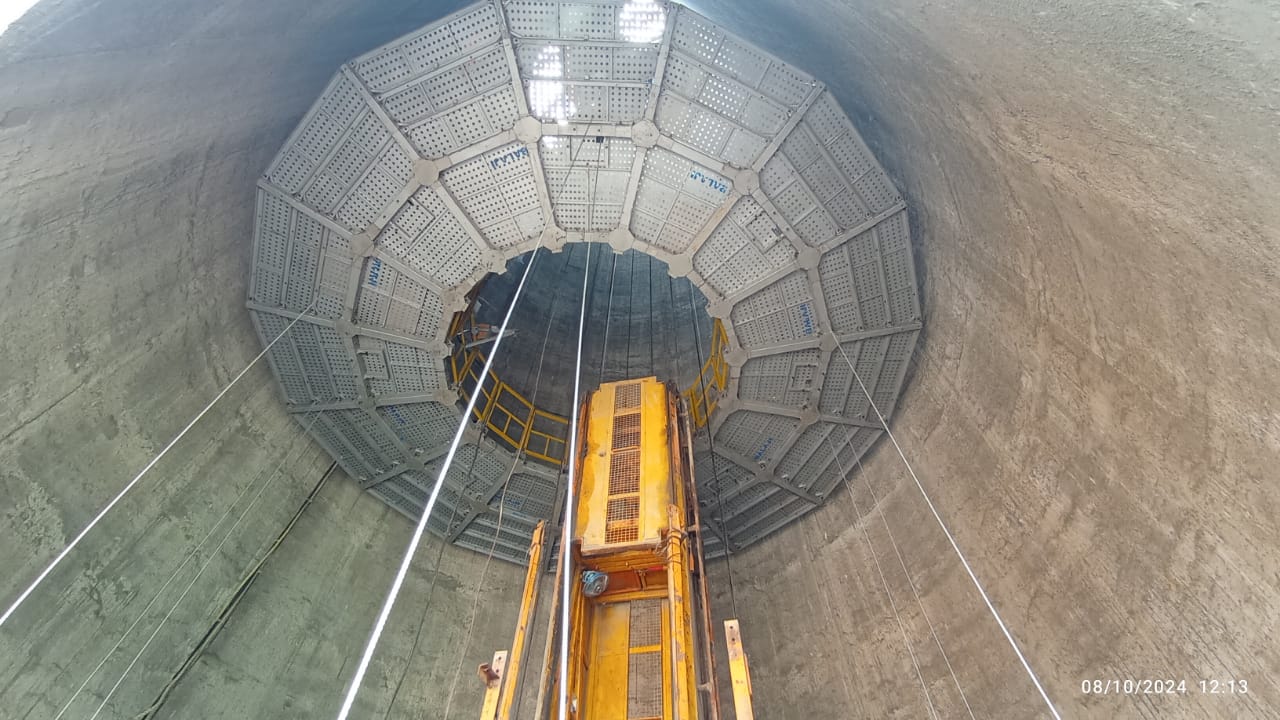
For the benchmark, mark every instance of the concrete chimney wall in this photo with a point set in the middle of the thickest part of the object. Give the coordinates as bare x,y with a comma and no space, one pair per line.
1093,188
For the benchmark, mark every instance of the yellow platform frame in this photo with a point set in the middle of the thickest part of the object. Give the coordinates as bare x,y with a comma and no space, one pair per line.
642,649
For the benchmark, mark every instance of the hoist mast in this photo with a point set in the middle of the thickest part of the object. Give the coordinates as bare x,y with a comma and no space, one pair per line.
640,640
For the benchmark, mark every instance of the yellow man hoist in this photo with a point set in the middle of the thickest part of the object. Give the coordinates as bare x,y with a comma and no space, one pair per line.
639,632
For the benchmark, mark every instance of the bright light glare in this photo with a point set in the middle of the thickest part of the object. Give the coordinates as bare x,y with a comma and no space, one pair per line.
11,10
547,98
642,21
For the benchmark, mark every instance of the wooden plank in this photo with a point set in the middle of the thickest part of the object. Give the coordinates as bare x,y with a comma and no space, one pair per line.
491,675
549,679
739,671
528,609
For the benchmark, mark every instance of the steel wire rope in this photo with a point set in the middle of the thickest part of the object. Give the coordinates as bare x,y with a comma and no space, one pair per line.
951,539
265,477
380,624
565,541
608,316
435,576
475,605
715,472
209,560
866,537
875,501
129,486
362,668
515,708
422,621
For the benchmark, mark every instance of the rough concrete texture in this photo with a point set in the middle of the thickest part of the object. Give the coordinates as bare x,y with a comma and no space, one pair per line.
1093,411
1094,408
131,134
289,652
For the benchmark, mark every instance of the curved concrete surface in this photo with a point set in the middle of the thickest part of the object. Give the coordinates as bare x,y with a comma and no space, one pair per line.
1092,410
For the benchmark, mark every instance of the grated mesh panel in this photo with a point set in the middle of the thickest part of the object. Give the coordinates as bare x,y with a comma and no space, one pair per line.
622,520
624,472
646,623
626,431
644,686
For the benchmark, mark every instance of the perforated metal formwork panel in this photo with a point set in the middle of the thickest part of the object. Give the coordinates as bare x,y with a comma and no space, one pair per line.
745,248
341,161
499,194
894,371
395,369
507,535
757,436
311,361
451,89
421,426
780,313
899,271
718,476
478,470
676,198
394,300
587,61
586,83
297,259
852,285
531,495
805,462
427,236
362,445
587,178
749,500
849,444
824,181
786,379
723,96
448,85
881,363
408,492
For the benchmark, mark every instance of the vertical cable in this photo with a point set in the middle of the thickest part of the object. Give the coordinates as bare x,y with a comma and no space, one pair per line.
875,502
866,536
363,667
567,535
972,576
608,316
502,504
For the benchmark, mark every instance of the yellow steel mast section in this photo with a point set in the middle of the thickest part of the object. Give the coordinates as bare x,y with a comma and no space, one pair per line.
640,626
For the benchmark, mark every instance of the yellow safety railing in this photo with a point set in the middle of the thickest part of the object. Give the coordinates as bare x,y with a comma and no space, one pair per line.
509,416
514,420
704,395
